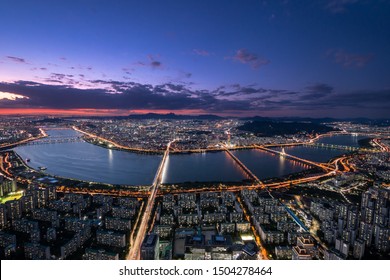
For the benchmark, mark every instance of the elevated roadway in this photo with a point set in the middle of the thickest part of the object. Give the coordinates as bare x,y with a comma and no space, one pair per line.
324,166
243,166
134,253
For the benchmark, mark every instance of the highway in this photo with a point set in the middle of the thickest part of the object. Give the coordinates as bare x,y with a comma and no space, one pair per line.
5,170
55,141
243,166
382,146
114,144
134,253
223,147
135,225
43,134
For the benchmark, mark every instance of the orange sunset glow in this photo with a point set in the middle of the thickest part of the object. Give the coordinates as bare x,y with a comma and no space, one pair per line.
91,112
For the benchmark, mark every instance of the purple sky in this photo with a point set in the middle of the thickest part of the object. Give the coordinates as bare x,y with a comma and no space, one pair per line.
326,58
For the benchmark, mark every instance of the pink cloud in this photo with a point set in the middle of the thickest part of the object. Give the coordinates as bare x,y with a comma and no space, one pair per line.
350,60
245,57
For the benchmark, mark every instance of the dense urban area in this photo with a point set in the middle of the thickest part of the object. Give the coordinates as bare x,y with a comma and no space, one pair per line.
333,210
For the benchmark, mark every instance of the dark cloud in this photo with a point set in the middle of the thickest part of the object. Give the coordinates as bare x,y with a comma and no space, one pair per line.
174,87
319,88
127,96
171,96
349,60
200,52
65,79
246,57
57,76
41,68
239,91
363,103
127,70
338,6
153,62
316,91
53,64
58,81
16,59
236,90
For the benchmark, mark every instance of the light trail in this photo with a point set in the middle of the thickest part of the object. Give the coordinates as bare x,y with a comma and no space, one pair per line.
135,225
114,144
134,252
382,146
243,166
263,254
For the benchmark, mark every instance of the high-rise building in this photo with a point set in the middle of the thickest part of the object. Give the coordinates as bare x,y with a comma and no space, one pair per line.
3,216
35,251
7,186
14,209
51,193
352,220
306,242
41,196
150,247
300,253
99,254
28,203
342,246
51,234
358,249
7,243
365,232
382,238
118,224
111,238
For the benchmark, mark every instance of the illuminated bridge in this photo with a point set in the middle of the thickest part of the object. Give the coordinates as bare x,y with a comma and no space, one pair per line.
341,147
55,140
333,146
243,166
134,253
321,165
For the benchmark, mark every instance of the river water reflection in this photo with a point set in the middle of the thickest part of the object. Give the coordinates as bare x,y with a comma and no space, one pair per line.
84,161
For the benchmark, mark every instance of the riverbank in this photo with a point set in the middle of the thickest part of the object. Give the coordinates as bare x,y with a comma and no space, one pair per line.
13,145
92,165
109,144
27,173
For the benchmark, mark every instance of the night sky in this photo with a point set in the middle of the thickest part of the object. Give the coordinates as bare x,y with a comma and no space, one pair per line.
328,58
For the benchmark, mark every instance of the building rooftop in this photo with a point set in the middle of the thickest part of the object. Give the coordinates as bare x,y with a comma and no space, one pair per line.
150,240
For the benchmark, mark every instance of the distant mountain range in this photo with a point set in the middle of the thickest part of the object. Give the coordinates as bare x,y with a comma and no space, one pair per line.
383,122
172,116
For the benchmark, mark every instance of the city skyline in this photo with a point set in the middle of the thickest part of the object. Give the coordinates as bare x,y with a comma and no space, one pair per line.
320,59
190,189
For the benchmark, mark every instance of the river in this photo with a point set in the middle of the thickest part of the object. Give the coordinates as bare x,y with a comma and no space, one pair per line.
84,161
